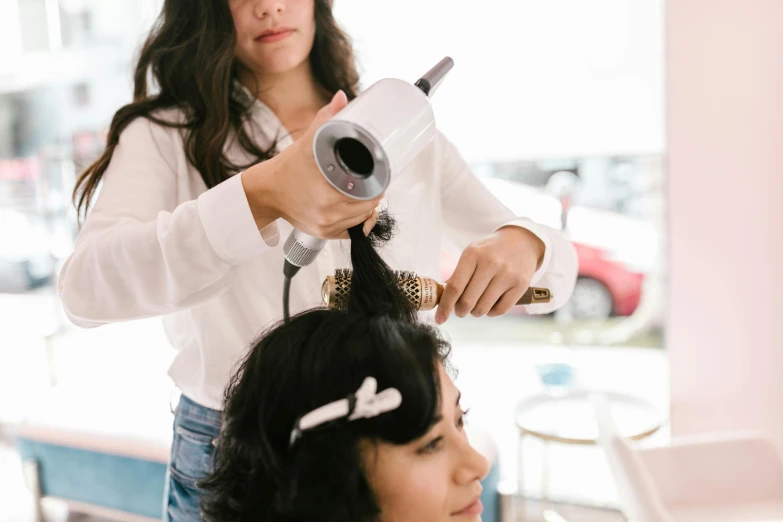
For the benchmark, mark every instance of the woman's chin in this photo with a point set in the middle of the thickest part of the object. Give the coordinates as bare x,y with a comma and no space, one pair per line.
280,63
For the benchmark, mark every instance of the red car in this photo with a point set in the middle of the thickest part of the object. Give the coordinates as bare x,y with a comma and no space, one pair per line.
604,288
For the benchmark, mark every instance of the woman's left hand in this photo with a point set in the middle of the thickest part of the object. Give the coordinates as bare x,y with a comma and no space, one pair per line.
492,274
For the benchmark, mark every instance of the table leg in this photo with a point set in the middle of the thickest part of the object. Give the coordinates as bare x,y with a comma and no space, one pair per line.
33,479
545,475
520,506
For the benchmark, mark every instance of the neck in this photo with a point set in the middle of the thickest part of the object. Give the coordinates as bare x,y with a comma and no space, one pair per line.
289,93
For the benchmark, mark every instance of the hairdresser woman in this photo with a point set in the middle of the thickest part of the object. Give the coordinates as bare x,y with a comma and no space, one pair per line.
210,165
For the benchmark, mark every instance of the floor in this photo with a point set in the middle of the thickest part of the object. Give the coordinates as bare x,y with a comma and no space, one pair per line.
532,511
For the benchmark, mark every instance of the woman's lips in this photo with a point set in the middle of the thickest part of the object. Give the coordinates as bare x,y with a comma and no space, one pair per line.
473,510
275,36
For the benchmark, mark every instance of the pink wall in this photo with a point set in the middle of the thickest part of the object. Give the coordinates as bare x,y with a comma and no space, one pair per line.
725,143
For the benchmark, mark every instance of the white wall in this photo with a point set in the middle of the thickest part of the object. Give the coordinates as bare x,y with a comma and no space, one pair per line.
10,36
725,141
532,78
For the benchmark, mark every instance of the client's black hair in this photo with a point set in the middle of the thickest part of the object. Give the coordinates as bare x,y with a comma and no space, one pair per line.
374,289
318,357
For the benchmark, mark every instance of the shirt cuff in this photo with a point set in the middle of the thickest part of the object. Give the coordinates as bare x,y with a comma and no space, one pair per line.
229,225
541,232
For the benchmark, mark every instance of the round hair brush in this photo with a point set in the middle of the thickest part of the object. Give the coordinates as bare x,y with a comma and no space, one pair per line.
422,292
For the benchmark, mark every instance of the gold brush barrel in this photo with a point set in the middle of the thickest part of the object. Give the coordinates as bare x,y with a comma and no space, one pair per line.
423,293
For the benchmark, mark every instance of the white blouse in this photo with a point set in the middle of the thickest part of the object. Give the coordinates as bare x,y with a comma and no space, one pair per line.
158,243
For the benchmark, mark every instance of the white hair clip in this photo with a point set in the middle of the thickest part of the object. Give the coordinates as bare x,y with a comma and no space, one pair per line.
364,404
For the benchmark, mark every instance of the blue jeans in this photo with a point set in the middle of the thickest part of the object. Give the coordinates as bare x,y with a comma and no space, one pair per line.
196,429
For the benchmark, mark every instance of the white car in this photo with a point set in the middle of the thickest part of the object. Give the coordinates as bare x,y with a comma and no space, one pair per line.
26,258
630,241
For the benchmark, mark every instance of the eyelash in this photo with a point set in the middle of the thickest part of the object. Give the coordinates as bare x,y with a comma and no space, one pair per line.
433,446
461,421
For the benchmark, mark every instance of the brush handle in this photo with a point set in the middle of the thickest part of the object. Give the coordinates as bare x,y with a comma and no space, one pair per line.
432,292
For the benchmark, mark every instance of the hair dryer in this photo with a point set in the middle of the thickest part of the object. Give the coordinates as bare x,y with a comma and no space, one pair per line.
367,143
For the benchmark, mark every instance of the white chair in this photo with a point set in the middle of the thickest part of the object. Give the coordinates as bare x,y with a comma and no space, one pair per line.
732,477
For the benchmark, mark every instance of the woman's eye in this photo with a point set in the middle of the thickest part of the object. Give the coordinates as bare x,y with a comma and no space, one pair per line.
437,442
461,421
432,446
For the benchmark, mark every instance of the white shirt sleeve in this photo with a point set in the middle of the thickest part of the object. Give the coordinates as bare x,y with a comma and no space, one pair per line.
471,212
139,254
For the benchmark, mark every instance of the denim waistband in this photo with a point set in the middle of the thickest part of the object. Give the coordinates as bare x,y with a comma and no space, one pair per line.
191,409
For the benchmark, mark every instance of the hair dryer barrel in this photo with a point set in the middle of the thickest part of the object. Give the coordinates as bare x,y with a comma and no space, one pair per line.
374,138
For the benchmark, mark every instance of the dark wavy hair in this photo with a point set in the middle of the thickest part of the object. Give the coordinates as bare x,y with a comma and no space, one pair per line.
318,357
188,60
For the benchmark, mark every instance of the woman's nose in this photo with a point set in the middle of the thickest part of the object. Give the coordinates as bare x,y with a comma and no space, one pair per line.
266,8
474,466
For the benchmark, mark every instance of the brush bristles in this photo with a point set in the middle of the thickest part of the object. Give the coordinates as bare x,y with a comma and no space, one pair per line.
343,273
408,282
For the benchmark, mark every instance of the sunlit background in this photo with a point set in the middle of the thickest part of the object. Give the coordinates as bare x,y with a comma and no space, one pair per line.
557,105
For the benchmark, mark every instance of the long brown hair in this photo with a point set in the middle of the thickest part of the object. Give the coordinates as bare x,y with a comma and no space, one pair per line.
189,56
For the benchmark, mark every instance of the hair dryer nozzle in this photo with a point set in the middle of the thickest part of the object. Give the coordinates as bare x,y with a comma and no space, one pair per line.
432,78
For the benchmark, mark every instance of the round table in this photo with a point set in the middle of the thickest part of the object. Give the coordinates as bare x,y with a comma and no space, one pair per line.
569,418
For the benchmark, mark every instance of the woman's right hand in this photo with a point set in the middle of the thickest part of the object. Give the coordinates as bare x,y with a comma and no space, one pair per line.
290,186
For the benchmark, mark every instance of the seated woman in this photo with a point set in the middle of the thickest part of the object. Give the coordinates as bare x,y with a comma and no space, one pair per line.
346,415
